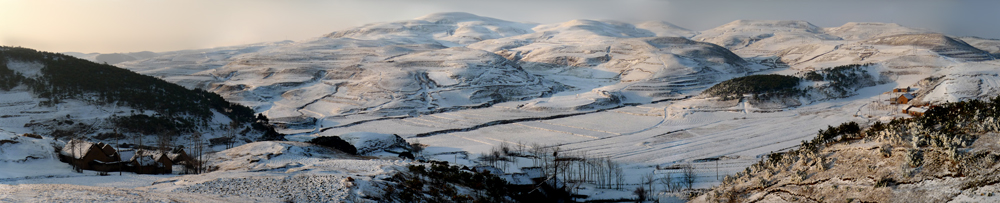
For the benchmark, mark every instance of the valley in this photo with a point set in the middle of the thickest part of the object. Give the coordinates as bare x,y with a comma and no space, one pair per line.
463,84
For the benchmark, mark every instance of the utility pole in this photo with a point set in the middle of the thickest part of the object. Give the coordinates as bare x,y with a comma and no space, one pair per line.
118,149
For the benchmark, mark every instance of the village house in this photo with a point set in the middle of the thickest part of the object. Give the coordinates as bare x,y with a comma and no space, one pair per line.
915,110
179,157
86,155
901,90
902,99
150,162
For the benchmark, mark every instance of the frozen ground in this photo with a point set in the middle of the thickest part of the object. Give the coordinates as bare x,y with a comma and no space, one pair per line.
255,172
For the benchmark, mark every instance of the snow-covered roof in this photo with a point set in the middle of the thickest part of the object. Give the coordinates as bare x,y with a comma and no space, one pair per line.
483,169
518,179
146,160
173,156
917,109
77,148
908,96
533,172
144,153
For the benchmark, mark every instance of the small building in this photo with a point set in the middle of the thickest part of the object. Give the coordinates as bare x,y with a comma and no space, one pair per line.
110,151
178,156
904,98
915,110
151,162
86,155
901,90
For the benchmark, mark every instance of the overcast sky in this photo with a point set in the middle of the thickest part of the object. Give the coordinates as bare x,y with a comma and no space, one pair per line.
165,25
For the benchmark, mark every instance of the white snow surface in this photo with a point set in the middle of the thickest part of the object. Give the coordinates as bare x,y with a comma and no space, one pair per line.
15,148
255,172
368,143
285,171
27,69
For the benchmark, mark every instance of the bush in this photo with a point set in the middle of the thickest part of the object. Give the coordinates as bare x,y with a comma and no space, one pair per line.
336,143
884,182
914,158
406,155
640,192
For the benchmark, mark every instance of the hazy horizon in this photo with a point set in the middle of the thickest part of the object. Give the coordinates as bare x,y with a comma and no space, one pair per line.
109,26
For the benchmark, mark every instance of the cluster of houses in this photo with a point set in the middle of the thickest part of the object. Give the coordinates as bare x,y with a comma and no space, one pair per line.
904,97
102,157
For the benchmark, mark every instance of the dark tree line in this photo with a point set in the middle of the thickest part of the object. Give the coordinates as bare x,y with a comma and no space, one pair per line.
754,84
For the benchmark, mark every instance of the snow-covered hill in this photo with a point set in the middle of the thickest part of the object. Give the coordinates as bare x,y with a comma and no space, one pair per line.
463,84
62,97
451,61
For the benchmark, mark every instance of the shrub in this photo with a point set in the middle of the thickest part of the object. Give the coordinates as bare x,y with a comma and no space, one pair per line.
914,158
884,182
406,155
640,192
886,151
336,143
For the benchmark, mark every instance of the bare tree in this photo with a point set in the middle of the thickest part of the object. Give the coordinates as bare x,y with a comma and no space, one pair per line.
231,134
647,180
520,148
619,177
689,176
163,140
556,165
670,183
74,147
537,153
118,150
198,150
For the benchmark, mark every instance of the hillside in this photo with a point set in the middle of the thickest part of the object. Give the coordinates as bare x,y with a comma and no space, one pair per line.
65,97
447,62
946,155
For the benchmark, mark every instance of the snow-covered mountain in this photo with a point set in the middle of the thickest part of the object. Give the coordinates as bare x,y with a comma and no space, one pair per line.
463,84
451,61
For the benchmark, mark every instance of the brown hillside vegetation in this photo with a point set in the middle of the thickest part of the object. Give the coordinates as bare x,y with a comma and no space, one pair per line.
950,154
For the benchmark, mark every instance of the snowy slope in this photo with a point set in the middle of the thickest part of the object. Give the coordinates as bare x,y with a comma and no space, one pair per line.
406,68
742,34
285,171
990,45
868,30
448,29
